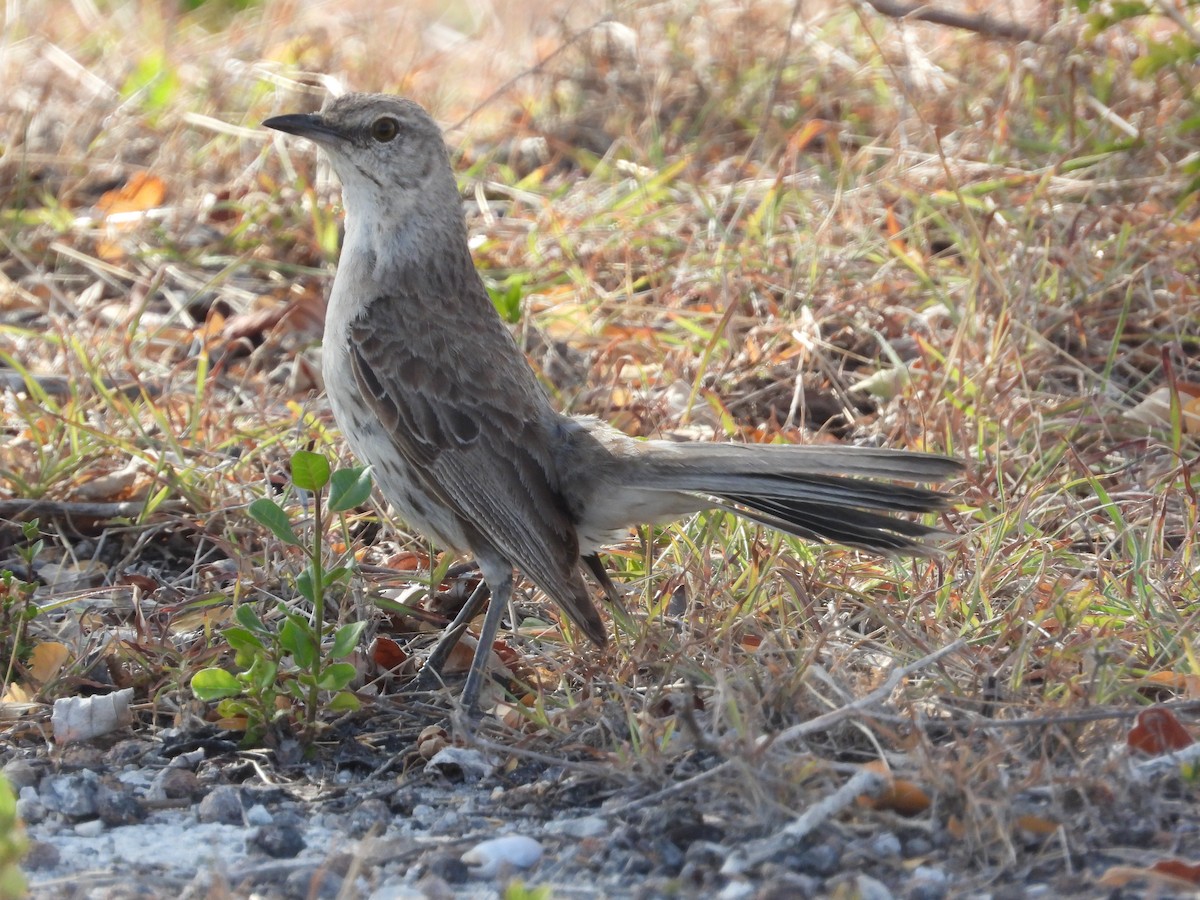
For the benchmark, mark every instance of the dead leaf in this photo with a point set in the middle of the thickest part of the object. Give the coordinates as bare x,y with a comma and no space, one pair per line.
1122,876
898,794
142,192
1156,408
1158,731
387,654
46,660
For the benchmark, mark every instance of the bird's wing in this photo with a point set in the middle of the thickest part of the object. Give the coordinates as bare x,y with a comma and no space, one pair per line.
471,424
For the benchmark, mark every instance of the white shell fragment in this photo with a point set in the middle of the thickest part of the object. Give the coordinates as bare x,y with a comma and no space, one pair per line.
513,851
83,718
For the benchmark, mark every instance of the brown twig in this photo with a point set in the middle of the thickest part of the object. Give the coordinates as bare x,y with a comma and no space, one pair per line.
61,509
979,23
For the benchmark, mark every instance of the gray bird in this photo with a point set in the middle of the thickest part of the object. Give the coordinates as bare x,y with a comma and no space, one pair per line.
430,389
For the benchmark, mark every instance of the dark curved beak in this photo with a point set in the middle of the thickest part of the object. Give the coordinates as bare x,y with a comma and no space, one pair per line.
312,127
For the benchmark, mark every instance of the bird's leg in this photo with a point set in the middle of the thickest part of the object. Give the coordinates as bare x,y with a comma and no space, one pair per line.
431,673
501,594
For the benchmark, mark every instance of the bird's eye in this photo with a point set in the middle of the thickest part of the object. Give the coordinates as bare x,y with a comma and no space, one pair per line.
384,129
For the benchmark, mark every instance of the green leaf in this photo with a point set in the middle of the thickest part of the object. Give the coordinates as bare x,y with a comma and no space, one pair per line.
310,471
305,584
215,684
269,513
333,576
248,618
261,675
349,488
243,639
298,642
506,297
336,676
346,639
344,701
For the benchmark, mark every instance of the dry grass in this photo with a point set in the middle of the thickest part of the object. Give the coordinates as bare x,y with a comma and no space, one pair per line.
712,228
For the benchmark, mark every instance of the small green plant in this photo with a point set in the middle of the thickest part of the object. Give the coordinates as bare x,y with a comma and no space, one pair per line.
287,660
12,846
17,608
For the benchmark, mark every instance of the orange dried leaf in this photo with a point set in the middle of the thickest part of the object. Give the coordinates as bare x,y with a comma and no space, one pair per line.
46,660
386,653
1122,876
898,794
1158,731
143,191
1189,872
1037,824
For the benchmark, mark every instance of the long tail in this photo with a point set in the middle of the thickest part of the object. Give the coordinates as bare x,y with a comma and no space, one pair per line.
820,493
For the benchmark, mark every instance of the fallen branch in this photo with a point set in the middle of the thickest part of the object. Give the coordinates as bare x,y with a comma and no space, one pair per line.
979,23
65,509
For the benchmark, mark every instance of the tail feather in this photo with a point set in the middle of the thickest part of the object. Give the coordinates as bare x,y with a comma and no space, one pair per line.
818,493
801,461
843,525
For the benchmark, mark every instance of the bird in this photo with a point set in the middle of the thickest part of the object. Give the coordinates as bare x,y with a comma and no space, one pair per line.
430,389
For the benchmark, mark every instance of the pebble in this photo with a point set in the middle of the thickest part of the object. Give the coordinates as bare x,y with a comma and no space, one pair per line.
258,815
448,867
513,851
89,828
177,784
223,804
279,841
737,890
884,845
582,827
20,774
927,883
822,860
118,807
370,815
72,794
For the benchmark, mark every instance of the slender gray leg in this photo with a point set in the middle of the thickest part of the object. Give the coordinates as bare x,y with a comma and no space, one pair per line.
501,594
430,675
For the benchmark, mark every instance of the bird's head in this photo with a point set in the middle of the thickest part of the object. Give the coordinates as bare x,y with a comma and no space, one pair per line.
387,151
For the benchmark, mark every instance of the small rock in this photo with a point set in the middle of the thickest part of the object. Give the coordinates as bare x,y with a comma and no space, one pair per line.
313,881
278,841
582,827
89,828
780,884
73,794
513,851
737,890
399,890
917,845
177,784
223,804
927,883
40,855
369,815
448,867
864,887
822,860
423,814
118,807
884,845
127,752
259,815
20,774
30,809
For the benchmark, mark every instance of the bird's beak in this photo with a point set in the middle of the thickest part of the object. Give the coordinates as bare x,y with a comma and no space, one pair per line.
312,127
